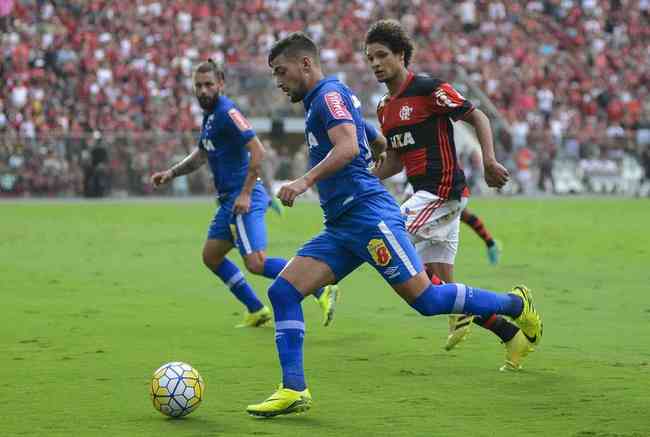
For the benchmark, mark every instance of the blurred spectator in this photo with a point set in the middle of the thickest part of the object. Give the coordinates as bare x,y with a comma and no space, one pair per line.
523,159
73,68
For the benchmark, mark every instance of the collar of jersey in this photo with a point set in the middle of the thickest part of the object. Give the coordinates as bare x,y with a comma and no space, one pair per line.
406,83
310,95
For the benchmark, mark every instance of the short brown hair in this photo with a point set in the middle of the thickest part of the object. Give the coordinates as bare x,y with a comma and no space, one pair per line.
210,66
391,34
294,44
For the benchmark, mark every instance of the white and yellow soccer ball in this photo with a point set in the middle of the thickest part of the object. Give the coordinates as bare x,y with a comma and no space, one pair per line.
177,389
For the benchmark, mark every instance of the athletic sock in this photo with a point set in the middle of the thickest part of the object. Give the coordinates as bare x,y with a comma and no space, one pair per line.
461,299
234,279
477,224
289,332
499,325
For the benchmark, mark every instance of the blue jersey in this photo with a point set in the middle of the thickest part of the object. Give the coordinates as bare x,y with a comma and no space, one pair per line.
329,104
224,135
371,132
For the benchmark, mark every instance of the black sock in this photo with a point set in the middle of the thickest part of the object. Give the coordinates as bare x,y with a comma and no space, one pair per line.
501,327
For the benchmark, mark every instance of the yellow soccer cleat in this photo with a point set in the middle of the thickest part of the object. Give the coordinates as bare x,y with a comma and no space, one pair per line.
256,319
459,326
516,350
328,301
283,401
529,321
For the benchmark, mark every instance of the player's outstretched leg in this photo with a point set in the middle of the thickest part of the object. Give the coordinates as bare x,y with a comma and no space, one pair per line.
462,299
499,325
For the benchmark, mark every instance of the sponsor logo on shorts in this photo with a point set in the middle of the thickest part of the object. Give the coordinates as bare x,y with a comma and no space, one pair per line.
379,252
392,272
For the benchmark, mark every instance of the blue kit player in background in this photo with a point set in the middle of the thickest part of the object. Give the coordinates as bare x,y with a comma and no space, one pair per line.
234,153
363,223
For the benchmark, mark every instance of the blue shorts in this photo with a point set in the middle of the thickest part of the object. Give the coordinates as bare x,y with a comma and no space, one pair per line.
246,231
372,231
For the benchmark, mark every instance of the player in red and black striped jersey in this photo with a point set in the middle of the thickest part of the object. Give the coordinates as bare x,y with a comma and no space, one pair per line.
416,118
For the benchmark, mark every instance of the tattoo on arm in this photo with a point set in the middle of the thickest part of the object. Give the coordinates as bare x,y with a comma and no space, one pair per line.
191,163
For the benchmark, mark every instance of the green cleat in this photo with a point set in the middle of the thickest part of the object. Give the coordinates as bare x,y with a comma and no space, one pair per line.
529,321
328,301
459,326
516,350
277,206
283,401
256,319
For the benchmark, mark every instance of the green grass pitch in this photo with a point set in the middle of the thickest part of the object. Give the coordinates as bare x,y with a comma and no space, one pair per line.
95,296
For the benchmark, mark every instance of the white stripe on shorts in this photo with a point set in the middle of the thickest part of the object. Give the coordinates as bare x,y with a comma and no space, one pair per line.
397,248
290,324
241,230
459,303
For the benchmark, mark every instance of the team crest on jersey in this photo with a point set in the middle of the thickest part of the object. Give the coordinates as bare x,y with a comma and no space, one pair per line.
405,112
336,106
241,122
379,252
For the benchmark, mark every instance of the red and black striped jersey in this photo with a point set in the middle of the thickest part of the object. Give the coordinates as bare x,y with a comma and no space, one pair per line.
417,123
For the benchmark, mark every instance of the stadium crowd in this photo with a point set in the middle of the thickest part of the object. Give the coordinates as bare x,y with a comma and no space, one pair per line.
103,87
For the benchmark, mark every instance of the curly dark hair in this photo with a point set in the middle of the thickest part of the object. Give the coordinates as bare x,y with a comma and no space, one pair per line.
391,34
293,45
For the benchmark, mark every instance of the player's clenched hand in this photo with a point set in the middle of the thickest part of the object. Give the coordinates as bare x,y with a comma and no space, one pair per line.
379,161
496,175
290,191
161,178
242,204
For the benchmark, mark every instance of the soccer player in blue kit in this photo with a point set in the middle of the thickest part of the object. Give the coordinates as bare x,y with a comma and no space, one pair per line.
234,153
362,224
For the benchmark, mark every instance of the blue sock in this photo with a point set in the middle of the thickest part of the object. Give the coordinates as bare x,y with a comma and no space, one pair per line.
289,332
273,267
234,279
460,299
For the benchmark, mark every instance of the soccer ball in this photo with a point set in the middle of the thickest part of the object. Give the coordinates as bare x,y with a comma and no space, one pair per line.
177,389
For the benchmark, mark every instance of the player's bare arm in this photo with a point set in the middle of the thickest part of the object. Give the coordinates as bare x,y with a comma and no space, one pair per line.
192,162
496,175
345,149
390,166
378,149
243,202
